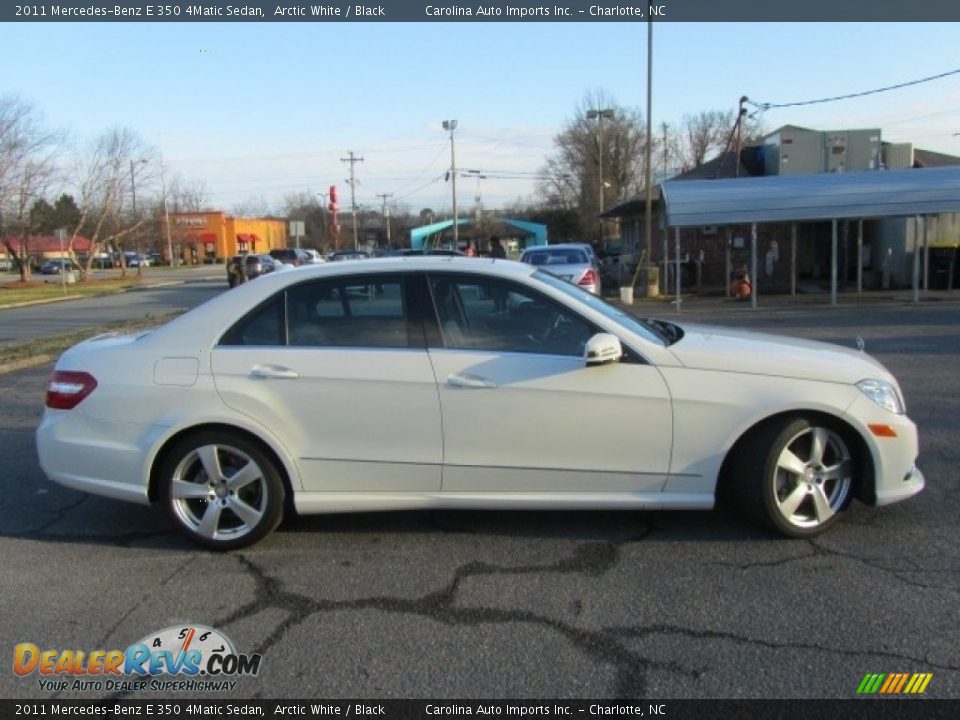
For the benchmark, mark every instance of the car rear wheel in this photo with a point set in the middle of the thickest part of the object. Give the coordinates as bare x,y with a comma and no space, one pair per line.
796,476
221,490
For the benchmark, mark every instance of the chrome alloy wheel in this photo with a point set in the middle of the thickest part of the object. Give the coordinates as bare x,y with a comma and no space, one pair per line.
812,477
219,492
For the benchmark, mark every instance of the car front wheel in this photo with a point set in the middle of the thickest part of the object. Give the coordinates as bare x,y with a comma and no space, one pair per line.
796,476
221,490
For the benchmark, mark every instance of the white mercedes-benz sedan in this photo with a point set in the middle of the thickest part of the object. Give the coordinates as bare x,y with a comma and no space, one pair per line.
441,382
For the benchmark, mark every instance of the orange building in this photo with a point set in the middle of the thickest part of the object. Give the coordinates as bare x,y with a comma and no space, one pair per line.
213,236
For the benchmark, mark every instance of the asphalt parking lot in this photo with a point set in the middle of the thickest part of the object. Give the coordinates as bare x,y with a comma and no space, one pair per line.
532,605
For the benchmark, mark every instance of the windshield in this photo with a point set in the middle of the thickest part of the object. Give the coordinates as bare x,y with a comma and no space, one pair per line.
648,329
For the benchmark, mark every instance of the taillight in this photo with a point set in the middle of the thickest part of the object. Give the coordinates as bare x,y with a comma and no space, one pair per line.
589,278
67,389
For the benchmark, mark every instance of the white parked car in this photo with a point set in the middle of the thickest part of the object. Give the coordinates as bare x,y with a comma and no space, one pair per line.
424,382
573,262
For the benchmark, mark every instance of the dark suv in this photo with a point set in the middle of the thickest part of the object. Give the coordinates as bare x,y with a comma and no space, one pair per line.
256,265
241,268
290,256
235,271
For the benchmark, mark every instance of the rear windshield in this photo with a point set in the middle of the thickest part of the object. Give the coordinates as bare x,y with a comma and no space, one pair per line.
542,258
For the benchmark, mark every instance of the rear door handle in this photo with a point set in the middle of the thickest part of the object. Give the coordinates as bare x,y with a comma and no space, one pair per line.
474,382
273,372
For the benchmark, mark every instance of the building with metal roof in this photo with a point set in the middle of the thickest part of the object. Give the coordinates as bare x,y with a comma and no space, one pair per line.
860,223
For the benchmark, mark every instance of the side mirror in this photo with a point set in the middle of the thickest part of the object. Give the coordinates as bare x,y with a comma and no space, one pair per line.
601,349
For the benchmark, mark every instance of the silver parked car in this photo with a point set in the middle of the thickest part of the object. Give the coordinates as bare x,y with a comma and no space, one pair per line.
569,261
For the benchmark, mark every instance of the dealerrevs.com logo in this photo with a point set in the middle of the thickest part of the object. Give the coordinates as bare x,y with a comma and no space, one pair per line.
181,658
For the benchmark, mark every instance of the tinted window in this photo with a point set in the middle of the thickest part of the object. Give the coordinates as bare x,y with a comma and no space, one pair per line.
263,326
353,312
348,312
489,314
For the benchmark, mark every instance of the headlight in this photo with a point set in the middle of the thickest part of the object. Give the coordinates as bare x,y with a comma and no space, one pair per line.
883,394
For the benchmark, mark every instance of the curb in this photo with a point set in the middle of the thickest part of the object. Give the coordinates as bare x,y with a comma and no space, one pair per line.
45,301
24,363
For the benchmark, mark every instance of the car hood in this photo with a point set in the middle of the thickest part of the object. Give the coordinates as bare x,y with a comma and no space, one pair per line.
727,350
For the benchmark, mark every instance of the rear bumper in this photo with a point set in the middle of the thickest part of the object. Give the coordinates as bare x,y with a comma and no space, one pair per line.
94,456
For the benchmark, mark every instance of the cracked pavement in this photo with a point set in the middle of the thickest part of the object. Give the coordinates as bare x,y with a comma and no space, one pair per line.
521,604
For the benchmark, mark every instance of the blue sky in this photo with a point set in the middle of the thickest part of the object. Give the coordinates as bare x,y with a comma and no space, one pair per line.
257,110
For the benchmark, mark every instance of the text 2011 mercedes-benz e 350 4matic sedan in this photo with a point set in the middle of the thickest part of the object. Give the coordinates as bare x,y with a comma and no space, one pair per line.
464,383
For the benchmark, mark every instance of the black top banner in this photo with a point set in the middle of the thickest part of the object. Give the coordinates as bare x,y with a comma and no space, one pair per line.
334,11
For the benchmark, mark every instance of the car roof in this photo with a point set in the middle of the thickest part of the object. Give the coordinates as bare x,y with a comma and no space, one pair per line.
560,246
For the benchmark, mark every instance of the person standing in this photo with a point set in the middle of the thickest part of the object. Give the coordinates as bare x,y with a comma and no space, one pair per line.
496,249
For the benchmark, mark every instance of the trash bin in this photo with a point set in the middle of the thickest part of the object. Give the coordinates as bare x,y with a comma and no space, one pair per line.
943,267
650,277
626,294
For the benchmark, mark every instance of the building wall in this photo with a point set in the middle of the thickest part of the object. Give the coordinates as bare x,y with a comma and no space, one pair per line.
798,151
897,239
212,236
793,151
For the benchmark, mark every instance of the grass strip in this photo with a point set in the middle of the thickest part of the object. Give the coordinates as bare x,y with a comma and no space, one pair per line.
15,293
53,345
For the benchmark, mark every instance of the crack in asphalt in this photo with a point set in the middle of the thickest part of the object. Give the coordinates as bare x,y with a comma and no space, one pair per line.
674,630
61,513
819,550
592,559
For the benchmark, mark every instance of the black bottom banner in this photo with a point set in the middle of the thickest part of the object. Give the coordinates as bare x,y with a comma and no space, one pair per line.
861,709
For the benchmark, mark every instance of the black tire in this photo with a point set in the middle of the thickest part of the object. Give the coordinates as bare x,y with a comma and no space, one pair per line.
221,490
794,475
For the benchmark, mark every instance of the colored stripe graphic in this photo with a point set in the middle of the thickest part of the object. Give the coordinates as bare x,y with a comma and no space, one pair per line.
918,683
894,683
870,683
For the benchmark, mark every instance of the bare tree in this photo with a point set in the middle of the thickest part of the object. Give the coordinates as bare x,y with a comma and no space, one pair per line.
601,137
308,206
28,155
186,196
252,207
116,163
702,136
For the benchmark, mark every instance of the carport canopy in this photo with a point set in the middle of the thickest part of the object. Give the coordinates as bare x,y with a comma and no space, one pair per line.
821,196
811,197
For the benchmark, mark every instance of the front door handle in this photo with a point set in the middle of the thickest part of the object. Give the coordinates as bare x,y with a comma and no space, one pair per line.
273,372
465,380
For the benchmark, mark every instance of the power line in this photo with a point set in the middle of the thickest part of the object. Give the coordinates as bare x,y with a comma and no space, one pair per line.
770,106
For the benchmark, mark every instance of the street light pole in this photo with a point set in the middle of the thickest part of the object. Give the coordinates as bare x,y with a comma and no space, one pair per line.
599,116
451,125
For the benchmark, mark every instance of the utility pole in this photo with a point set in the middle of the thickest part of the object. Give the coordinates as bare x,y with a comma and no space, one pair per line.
386,213
666,238
133,195
353,160
648,204
166,215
